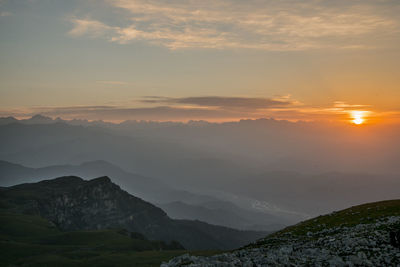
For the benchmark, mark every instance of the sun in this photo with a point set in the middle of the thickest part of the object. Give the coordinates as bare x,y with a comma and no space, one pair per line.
358,121
358,116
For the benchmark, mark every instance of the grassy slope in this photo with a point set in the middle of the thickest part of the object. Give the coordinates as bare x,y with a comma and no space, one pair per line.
32,241
362,214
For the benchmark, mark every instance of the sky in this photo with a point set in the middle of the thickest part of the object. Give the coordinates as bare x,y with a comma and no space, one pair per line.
216,60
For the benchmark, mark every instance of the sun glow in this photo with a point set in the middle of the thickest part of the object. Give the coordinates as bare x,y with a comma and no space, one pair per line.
358,116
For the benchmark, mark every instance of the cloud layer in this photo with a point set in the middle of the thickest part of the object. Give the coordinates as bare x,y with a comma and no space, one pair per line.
250,103
253,24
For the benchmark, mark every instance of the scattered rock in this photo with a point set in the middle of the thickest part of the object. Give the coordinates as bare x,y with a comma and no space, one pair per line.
372,244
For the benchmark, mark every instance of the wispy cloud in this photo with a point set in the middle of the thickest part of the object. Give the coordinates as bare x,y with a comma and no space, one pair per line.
223,102
255,24
91,28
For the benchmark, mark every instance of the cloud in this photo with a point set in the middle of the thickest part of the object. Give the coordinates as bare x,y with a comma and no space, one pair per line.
223,102
91,28
254,24
343,107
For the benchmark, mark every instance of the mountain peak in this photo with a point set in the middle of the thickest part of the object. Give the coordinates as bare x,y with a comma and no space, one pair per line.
102,179
7,120
64,180
38,118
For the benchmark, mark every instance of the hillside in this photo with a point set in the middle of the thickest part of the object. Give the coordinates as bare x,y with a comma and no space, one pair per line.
73,204
365,235
30,240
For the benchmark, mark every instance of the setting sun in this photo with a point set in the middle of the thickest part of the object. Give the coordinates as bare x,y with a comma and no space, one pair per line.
358,117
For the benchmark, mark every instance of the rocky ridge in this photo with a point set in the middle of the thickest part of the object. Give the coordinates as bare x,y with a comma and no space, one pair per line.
371,242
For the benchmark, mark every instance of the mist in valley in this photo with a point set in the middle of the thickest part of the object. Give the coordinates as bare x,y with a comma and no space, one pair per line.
251,174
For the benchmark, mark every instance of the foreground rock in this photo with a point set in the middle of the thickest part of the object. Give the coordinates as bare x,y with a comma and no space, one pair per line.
368,242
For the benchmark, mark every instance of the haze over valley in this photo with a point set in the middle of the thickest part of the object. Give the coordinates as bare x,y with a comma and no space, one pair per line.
268,166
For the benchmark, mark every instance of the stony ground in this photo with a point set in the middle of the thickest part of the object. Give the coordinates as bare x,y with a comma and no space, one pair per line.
363,244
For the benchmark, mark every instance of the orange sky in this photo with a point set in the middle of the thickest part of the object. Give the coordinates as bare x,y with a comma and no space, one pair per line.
212,60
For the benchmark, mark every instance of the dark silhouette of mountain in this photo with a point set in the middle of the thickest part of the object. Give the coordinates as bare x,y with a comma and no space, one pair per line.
145,187
7,120
38,119
35,119
72,203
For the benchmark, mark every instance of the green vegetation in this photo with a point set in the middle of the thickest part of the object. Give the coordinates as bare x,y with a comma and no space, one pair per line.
27,240
362,214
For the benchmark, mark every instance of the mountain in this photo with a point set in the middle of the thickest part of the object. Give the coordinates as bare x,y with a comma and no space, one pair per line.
152,189
365,235
148,188
72,203
38,119
7,120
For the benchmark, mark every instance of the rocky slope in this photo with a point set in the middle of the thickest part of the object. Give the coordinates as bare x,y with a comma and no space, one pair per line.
72,203
366,235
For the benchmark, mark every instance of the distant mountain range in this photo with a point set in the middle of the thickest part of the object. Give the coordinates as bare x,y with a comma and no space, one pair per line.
72,203
289,170
40,119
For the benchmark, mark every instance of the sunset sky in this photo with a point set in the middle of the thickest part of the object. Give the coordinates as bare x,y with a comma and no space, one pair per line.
216,60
